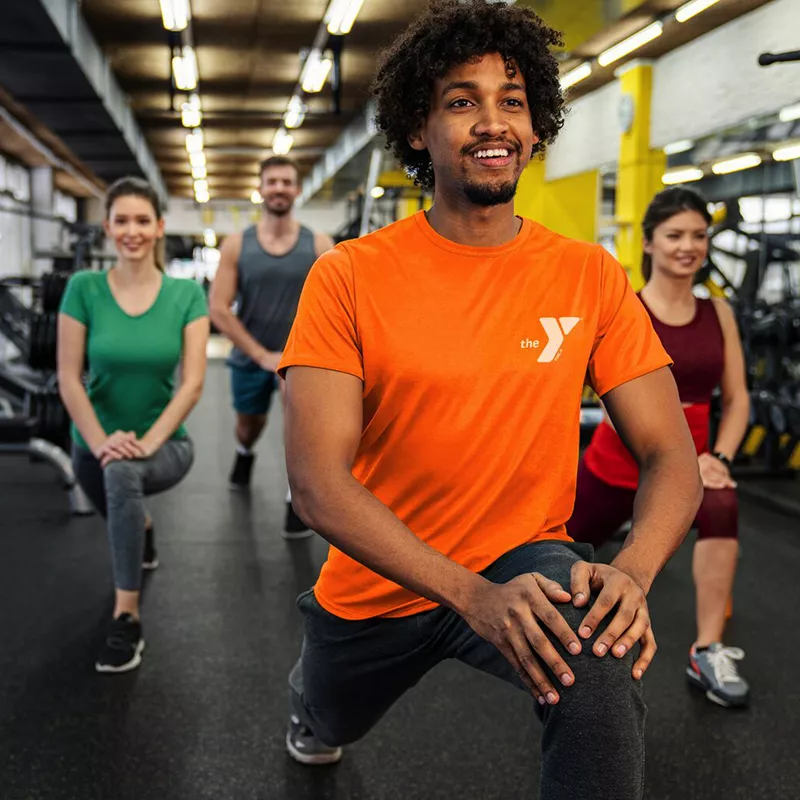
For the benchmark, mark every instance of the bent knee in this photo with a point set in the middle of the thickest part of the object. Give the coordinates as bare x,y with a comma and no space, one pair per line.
122,477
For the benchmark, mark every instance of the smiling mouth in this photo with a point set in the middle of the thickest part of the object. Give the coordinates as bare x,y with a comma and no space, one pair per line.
493,156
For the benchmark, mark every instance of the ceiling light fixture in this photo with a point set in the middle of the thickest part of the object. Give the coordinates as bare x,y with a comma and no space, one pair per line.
175,14
255,198
630,44
692,9
683,146
576,75
202,197
377,192
295,113
197,159
315,71
200,173
184,69
209,238
682,176
201,187
194,141
789,153
790,113
192,112
341,15
745,161
282,143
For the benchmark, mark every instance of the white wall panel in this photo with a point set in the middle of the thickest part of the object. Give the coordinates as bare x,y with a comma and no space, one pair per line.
590,136
715,81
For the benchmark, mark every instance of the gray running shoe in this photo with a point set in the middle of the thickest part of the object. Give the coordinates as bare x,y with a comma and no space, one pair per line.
714,671
304,747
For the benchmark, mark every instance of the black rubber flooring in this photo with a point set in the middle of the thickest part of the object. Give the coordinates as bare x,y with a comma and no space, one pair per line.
204,716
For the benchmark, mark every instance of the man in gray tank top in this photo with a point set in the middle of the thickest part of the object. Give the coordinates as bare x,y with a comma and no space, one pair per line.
264,269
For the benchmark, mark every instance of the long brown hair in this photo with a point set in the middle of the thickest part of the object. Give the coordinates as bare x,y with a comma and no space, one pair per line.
665,205
135,187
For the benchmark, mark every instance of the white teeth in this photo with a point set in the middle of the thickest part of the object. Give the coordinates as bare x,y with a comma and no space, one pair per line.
491,154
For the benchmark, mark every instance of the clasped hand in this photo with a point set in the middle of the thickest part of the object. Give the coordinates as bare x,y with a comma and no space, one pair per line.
123,445
512,616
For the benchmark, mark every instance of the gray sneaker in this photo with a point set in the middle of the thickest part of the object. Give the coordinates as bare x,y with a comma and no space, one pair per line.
714,671
304,747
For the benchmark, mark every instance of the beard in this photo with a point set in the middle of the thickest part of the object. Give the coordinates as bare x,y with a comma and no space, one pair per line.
280,209
487,194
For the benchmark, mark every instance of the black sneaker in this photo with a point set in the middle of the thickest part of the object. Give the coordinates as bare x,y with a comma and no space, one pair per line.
150,557
122,649
294,527
241,472
304,747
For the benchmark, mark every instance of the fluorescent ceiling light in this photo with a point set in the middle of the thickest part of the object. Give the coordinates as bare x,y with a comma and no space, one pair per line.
378,192
202,197
576,75
197,159
315,72
746,161
341,15
201,187
199,173
175,14
194,141
678,147
192,112
693,8
295,113
184,68
209,238
790,113
630,44
255,198
789,153
282,143
682,176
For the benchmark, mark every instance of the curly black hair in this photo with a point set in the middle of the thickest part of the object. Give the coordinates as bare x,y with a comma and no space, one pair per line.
455,32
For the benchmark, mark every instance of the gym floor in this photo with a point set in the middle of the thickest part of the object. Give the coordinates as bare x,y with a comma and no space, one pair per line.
204,715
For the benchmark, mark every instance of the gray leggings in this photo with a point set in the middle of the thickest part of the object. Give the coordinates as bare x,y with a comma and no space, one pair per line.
118,493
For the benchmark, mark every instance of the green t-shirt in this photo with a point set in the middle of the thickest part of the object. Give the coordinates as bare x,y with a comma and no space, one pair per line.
132,360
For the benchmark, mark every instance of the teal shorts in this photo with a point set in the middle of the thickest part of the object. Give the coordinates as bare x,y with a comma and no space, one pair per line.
252,389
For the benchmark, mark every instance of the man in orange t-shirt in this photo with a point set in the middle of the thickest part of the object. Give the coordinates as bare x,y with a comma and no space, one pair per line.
434,378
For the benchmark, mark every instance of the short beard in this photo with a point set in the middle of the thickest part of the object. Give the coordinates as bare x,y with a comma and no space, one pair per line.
279,212
487,195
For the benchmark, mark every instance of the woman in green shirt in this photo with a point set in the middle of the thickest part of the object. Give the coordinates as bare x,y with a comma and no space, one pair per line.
135,324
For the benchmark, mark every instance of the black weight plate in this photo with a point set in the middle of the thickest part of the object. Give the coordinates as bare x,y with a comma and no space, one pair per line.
52,344
46,280
37,342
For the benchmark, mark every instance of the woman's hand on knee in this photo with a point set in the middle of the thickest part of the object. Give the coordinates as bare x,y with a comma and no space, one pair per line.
714,473
631,622
117,447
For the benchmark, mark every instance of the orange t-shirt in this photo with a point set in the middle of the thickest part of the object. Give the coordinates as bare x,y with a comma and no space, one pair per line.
473,361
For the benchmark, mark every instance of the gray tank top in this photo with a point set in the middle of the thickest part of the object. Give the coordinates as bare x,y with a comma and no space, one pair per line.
269,290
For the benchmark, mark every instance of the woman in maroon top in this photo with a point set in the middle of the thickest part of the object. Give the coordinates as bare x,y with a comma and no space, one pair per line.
702,338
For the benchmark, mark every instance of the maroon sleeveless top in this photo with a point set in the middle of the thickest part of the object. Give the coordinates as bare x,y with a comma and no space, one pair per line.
698,352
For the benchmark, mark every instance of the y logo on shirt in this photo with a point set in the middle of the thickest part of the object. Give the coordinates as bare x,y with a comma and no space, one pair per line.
557,330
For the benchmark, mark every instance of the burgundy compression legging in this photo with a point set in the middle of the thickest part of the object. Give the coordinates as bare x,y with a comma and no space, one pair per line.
601,509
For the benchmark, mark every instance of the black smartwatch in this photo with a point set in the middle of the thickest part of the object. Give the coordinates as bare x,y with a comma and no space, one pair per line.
723,458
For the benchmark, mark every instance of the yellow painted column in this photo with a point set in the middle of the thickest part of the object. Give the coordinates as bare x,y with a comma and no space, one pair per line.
640,167
568,206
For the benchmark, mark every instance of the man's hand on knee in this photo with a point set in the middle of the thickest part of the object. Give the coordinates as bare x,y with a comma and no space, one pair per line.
509,615
631,623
